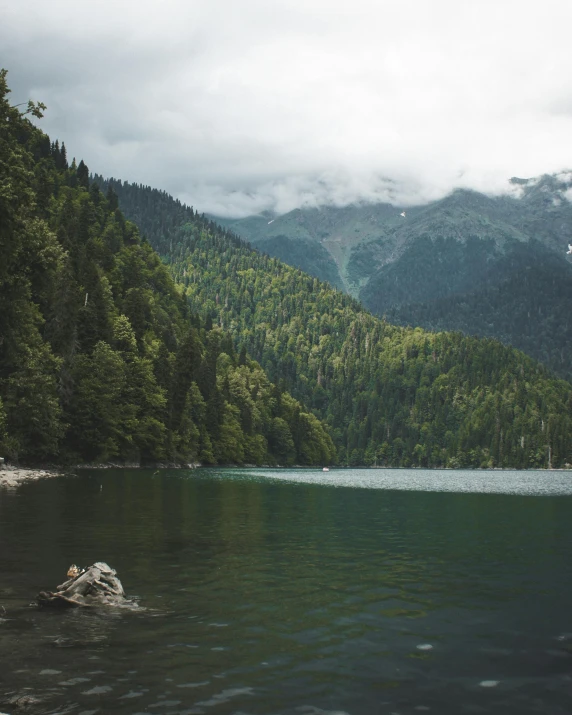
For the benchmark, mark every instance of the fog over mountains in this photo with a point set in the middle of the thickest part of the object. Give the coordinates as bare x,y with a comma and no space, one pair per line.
490,265
238,108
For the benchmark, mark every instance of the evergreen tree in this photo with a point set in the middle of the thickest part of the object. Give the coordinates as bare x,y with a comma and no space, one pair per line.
83,175
100,357
390,395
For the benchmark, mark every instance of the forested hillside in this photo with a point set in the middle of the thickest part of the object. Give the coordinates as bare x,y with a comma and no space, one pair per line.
100,356
391,395
451,264
525,301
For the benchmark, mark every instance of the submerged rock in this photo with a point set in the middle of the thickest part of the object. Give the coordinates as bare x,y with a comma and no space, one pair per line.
97,585
23,701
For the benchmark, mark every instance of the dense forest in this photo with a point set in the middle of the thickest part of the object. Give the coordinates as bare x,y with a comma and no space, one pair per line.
493,266
100,356
524,301
520,296
390,395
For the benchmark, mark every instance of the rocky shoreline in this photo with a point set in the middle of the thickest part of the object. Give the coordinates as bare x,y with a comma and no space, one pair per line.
11,477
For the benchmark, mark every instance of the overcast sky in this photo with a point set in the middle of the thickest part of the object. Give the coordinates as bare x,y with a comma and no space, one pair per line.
236,106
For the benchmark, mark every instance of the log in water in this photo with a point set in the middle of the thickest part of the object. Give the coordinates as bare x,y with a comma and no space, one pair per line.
95,587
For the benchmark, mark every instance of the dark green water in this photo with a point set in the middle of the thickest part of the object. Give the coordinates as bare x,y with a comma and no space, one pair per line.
262,595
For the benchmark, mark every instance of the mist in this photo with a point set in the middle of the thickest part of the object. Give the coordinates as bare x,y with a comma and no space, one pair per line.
236,108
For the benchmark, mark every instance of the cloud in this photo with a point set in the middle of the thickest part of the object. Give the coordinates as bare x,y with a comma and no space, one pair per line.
241,107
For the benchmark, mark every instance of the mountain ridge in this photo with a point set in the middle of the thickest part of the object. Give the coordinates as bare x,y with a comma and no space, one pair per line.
390,395
466,242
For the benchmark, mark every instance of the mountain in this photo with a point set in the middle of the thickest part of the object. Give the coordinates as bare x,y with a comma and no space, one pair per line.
467,249
100,356
524,300
104,356
390,395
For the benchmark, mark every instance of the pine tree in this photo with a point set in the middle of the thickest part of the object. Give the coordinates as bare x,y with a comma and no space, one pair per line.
83,175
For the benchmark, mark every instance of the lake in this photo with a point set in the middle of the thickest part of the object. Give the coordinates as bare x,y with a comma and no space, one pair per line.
292,592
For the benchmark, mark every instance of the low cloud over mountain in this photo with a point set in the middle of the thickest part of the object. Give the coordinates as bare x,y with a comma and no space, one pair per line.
240,107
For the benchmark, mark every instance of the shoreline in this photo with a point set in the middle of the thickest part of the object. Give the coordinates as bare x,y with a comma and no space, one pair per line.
11,477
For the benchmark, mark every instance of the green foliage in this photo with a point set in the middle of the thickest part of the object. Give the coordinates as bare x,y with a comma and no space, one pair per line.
390,395
309,256
100,421
30,254
488,266
524,301
100,357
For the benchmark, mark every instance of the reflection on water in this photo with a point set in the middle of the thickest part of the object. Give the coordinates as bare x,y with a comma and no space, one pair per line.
435,480
267,593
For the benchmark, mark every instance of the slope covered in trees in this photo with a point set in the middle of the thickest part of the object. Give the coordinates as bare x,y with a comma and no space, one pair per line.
524,301
391,395
100,356
467,249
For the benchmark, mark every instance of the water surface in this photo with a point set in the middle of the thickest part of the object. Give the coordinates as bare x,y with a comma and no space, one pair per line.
274,591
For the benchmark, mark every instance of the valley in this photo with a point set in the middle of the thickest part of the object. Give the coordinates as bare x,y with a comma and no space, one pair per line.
425,268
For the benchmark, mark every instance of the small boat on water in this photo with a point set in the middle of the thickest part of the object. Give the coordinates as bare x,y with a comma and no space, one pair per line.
325,469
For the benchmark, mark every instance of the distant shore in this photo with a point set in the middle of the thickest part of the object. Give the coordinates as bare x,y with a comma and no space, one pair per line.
11,476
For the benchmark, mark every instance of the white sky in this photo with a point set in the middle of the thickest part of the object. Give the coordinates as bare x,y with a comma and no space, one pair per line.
236,106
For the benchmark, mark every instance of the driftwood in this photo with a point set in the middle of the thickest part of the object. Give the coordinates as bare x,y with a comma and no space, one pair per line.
97,585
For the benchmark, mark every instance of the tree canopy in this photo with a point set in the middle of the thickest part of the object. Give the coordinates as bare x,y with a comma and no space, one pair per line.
100,357
390,395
